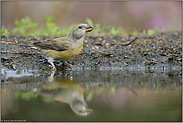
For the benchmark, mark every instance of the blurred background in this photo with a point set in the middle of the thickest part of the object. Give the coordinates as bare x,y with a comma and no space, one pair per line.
129,15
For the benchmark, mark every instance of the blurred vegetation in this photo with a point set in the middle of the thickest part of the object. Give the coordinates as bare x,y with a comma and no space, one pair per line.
24,95
100,90
4,32
26,27
90,93
28,96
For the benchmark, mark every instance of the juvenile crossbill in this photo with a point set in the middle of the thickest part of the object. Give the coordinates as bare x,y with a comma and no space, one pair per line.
66,91
65,48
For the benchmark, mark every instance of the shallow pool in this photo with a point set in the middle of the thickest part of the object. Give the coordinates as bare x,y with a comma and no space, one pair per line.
92,95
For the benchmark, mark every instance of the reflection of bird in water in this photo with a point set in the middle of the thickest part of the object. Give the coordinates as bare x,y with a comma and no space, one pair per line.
67,91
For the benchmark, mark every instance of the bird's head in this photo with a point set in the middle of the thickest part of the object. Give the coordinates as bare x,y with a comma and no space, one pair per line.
80,108
80,30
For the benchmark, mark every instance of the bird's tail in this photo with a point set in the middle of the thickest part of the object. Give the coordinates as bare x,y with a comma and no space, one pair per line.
28,45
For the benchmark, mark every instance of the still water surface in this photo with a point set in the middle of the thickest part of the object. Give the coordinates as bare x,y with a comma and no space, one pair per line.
93,96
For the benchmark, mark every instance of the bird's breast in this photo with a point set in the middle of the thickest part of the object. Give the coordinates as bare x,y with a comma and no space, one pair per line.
65,55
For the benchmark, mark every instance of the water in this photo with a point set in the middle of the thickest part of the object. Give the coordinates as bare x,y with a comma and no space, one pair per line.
92,95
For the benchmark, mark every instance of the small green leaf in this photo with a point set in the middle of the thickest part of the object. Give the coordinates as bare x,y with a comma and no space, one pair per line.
150,32
89,21
90,95
102,35
48,100
113,31
114,40
144,32
5,32
17,94
31,41
135,32
86,41
113,90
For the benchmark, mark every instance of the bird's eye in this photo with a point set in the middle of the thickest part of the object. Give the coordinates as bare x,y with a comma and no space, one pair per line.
80,27
80,112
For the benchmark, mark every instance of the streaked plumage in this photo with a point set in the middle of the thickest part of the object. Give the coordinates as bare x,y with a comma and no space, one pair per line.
65,48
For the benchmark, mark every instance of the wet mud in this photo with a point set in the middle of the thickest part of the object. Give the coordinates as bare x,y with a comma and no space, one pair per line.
160,51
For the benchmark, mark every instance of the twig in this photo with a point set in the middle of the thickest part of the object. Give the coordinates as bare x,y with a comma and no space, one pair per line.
126,44
17,52
175,62
175,73
132,90
4,42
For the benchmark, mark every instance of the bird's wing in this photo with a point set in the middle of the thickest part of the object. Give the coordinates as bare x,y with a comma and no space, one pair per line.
45,46
59,44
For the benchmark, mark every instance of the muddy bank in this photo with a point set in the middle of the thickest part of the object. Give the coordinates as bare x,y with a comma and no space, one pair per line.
160,51
92,79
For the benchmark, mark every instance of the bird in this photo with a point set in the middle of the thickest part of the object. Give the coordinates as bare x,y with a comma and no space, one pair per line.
65,48
68,91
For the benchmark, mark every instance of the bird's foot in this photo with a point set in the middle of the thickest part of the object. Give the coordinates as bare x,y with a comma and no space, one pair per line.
68,65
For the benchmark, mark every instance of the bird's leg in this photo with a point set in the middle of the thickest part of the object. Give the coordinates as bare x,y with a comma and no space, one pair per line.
51,62
68,65
51,78
55,69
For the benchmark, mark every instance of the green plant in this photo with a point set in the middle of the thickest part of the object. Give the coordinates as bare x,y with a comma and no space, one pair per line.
90,95
24,27
66,31
135,32
113,31
156,29
113,89
89,21
50,27
97,27
120,31
150,32
102,35
24,95
48,100
5,32
144,32
114,41
31,41
106,29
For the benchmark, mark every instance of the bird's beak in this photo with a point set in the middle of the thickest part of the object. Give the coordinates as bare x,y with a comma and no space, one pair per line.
86,112
89,110
89,28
